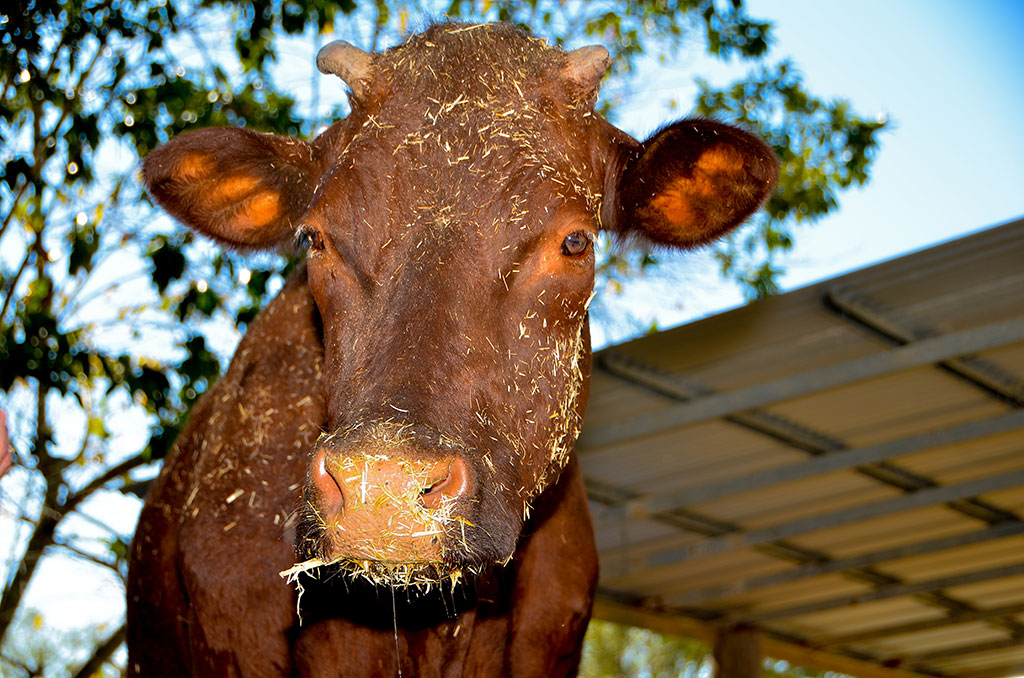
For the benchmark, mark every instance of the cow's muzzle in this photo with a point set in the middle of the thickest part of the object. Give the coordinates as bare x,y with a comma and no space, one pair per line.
388,507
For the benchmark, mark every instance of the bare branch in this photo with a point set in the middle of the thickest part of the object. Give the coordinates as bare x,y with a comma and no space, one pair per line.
114,284
22,187
17,664
99,481
95,560
102,654
13,284
96,522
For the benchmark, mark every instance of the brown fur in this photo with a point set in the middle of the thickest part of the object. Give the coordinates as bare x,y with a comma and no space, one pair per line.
439,316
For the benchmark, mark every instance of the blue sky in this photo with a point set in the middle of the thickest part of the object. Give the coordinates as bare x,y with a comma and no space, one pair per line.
948,75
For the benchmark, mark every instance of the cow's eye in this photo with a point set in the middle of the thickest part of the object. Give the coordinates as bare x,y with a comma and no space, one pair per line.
308,238
575,244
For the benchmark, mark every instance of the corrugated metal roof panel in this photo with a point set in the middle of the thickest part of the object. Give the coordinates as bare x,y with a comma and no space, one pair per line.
841,466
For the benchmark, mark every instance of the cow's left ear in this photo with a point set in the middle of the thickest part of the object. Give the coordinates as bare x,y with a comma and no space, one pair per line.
688,184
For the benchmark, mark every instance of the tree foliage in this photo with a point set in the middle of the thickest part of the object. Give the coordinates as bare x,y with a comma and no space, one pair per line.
113,321
617,651
823,148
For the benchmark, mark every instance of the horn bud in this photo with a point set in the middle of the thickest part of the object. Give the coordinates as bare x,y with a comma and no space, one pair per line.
348,62
584,67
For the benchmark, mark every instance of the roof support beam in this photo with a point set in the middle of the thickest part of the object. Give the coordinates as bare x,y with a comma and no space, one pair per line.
678,389
645,506
961,650
817,569
925,352
1016,669
887,591
737,652
916,627
672,550
981,373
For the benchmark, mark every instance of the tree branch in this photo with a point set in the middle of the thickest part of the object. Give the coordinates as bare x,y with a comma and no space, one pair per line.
17,276
95,522
68,104
42,537
17,664
14,206
102,654
95,560
95,294
51,515
99,481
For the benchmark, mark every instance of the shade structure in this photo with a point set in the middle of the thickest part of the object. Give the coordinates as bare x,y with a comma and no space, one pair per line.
840,468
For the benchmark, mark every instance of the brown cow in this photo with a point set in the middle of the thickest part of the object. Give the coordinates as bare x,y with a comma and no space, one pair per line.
400,419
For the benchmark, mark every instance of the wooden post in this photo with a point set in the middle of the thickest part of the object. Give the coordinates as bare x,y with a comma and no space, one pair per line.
738,653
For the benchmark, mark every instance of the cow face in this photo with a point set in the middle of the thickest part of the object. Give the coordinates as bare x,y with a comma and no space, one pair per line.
449,223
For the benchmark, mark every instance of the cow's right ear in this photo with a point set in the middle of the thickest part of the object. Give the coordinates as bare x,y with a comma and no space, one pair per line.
243,188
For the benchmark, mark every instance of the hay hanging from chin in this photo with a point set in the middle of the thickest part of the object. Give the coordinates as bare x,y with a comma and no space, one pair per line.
422,577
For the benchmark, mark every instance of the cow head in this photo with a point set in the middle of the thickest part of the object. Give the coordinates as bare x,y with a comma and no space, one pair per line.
450,222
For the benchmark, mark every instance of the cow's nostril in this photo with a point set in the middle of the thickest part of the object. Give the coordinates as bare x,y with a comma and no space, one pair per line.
449,486
433,496
330,490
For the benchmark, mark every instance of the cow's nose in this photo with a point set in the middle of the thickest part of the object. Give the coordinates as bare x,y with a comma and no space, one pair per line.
387,505
349,482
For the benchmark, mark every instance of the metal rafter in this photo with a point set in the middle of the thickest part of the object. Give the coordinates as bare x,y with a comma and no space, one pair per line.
817,569
671,550
1014,669
916,627
868,313
885,592
959,650
925,352
647,505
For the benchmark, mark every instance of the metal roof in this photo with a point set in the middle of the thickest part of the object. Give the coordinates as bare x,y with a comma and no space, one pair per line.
840,467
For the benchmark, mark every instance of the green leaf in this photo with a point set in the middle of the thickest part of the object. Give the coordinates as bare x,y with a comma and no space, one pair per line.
168,263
